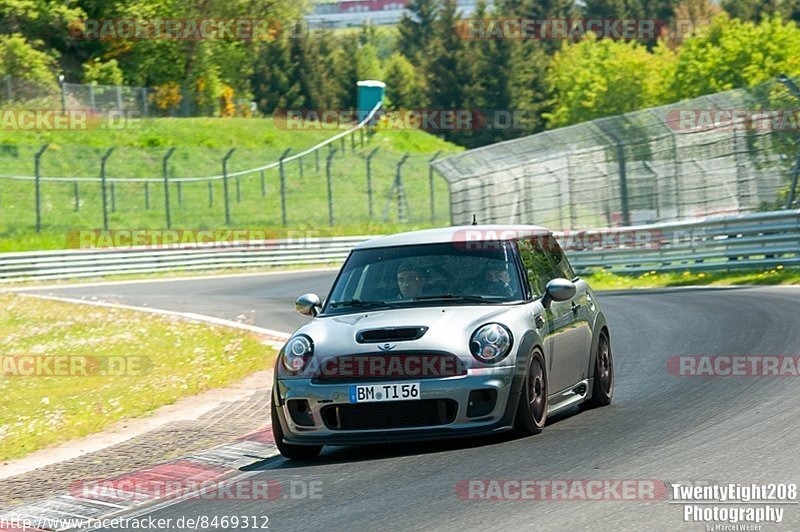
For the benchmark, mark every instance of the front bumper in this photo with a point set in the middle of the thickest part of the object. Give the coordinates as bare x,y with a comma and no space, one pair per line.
503,380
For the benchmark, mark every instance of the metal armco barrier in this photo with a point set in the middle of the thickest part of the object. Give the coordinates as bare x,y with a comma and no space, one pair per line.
752,241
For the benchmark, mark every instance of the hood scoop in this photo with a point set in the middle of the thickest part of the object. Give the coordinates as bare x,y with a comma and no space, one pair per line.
390,334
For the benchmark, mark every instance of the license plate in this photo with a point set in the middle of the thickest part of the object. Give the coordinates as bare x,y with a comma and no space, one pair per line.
373,393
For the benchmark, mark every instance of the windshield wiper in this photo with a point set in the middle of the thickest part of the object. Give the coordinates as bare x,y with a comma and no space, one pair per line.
454,297
358,303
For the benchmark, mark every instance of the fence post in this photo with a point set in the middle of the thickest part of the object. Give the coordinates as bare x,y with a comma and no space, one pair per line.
361,131
343,146
113,197
330,186
263,184
623,177
210,193
119,99
399,191
38,187
238,189
103,161
92,102
300,165
165,177
77,195
180,192
147,195
430,184
316,159
283,186
369,180
353,142
793,188
225,185
145,109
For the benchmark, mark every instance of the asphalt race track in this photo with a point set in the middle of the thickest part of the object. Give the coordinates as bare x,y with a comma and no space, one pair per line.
660,426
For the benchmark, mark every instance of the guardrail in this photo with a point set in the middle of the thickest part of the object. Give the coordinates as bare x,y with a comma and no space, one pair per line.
748,241
763,240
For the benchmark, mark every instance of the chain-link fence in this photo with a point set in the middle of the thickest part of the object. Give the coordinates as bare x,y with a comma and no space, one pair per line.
127,100
730,152
349,182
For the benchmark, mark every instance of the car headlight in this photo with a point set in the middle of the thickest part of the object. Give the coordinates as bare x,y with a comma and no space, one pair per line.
491,342
297,353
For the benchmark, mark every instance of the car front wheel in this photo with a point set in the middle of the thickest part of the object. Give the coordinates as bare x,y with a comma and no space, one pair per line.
532,410
603,388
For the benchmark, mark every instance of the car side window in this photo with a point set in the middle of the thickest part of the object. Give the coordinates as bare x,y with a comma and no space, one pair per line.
538,263
561,265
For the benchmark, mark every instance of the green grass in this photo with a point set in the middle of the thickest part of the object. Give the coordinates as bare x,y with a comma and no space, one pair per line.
201,144
604,280
181,359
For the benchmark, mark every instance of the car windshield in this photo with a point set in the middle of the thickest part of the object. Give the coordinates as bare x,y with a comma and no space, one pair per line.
428,274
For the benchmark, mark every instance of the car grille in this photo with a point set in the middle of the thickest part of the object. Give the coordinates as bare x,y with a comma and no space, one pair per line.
384,366
390,334
391,415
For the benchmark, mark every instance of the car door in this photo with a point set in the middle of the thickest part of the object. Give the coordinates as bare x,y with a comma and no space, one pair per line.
558,318
574,345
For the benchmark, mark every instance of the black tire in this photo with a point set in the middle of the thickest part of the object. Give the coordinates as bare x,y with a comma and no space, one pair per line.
532,409
288,450
603,387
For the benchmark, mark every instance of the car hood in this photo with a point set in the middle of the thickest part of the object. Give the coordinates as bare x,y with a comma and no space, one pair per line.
449,327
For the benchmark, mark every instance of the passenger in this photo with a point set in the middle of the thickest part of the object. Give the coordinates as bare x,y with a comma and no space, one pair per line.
410,280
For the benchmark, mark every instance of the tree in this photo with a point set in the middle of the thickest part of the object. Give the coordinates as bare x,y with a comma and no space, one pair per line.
730,53
596,78
415,31
755,10
23,59
103,73
403,90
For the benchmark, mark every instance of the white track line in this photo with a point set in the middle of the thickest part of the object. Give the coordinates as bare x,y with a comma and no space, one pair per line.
164,279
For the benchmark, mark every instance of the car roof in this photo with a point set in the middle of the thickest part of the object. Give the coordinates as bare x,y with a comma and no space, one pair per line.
460,233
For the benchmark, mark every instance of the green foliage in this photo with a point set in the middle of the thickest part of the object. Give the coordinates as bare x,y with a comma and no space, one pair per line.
103,73
596,78
402,86
755,10
730,53
22,59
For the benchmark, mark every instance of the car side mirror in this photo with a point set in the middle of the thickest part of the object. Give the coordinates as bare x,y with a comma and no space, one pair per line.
308,304
558,290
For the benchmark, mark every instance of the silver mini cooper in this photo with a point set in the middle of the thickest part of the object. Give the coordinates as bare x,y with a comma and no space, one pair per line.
442,333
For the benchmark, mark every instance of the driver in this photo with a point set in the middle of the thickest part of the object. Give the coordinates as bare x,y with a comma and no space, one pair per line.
497,281
410,280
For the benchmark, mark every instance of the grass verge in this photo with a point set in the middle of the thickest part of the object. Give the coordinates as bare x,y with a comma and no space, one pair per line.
604,280
119,364
347,203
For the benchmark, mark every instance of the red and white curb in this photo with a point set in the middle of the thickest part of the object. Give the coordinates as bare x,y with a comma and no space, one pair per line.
79,507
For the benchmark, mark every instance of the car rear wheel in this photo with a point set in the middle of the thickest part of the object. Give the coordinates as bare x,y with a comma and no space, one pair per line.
532,410
288,450
603,388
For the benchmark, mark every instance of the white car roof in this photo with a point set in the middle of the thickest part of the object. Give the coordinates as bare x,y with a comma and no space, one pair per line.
461,233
